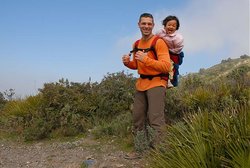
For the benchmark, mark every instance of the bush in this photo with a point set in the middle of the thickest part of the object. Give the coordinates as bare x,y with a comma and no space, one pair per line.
207,139
18,114
115,95
65,109
196,93
119,127
2,101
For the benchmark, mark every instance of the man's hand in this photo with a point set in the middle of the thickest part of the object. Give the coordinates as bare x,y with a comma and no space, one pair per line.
125,59
139,55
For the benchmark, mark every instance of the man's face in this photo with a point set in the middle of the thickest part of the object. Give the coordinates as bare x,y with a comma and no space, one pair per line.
146,26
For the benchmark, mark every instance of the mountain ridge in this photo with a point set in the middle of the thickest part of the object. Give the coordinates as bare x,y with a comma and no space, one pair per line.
223,69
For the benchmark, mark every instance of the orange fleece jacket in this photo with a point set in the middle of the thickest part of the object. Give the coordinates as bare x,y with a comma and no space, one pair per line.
151,66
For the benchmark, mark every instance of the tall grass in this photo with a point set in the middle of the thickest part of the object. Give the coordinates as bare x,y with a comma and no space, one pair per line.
19,113
206,140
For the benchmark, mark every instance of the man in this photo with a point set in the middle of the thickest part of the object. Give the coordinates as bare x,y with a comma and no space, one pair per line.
149,102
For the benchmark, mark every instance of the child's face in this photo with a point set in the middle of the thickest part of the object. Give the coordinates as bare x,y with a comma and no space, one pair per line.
171,26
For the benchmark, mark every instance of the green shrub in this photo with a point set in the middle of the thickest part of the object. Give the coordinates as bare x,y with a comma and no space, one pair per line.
206,139
173,105
195,93
143,140
22,107
119,127
115,95
39,129
66,108
19,114
2,101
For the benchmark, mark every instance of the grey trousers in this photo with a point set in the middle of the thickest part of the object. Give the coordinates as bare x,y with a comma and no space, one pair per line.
148,109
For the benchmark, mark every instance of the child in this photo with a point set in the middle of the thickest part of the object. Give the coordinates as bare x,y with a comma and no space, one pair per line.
173,39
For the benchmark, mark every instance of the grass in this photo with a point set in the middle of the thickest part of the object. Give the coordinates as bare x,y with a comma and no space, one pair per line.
206,139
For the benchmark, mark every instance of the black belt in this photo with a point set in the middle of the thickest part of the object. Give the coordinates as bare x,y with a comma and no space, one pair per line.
150,77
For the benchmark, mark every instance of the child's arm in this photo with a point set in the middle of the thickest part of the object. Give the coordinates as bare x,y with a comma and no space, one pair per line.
179,44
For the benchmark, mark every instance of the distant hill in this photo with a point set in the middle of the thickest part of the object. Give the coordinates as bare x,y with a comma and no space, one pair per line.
226,67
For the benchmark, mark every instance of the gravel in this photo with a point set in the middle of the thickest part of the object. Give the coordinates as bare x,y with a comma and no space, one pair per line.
71,154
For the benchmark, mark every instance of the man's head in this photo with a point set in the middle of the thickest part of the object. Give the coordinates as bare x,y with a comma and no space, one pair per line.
146,24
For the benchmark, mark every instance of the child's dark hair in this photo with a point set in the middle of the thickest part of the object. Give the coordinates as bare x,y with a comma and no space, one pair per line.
168,18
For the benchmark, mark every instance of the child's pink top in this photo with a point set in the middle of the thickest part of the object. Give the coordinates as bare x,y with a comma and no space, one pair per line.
174,41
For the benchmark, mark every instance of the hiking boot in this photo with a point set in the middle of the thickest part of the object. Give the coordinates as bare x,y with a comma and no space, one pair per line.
132,156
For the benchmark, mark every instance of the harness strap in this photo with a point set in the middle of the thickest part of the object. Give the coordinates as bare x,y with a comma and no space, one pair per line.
150,77
151,48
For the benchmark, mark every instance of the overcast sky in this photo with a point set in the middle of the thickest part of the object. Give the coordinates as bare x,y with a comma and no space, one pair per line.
45,40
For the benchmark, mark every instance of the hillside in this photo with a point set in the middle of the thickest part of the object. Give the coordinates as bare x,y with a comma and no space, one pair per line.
223,69
70,124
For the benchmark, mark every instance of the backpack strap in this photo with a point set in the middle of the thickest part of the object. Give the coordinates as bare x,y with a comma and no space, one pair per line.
135,49
176,58
151,48
136,46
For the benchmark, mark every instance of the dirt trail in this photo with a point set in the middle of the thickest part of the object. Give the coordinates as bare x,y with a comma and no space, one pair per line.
70,154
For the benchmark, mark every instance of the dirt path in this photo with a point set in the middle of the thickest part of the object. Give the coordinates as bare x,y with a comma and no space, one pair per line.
70,154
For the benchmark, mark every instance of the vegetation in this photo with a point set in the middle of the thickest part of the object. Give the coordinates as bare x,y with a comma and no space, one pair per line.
206,139
2,101
67,109
208,115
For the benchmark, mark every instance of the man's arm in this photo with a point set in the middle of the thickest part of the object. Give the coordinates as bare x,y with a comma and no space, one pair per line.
162,64
130,64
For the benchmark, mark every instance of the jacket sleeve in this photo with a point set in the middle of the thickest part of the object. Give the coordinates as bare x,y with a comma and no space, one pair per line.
132,64
178,43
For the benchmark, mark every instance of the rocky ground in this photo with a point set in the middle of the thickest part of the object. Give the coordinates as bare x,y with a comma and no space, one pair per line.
80,153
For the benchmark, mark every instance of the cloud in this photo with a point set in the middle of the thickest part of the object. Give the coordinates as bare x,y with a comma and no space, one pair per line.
213,30
125,43
214,26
